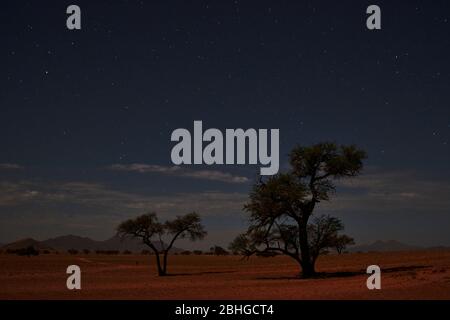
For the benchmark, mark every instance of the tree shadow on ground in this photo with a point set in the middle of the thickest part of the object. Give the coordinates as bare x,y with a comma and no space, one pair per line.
345,274
197,273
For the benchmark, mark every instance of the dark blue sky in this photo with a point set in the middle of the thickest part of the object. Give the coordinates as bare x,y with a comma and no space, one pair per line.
74,103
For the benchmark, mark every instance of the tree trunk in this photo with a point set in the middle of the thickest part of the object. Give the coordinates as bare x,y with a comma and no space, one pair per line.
165,261
308,269
307,262
161,271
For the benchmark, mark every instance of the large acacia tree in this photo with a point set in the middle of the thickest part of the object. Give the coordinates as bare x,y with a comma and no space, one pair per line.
160,237
280,206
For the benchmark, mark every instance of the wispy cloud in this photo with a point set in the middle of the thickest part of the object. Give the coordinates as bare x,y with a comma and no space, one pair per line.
375,192
103,198
390,192
50,208
10,166
212,175
89,208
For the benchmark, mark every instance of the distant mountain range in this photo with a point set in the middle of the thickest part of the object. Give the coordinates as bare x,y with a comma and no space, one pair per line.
64,243
25,243
384,246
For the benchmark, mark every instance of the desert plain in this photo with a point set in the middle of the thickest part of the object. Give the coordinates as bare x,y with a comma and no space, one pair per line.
405,275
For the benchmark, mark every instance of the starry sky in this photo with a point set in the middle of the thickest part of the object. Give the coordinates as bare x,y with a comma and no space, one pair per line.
86,115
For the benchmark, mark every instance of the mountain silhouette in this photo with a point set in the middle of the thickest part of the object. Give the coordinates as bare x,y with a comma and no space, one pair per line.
25,243
384,246
72,242
64,243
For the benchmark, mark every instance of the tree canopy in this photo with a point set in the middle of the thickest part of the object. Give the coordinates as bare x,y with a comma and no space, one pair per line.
280,206
160,237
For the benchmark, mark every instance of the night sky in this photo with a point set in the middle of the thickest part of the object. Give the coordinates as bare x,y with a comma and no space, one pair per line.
86,115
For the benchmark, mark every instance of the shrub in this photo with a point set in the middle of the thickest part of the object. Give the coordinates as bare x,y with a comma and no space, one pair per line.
72,251
107,251
28,251
219,251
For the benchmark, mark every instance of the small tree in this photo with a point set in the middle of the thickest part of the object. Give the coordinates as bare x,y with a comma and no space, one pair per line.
72,251
28,251
341,242
152,233
219,251
280,206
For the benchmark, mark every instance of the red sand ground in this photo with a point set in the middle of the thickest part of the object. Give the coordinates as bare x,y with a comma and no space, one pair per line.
405,275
